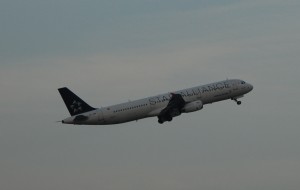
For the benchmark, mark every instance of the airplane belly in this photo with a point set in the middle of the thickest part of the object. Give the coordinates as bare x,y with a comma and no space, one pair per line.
128,116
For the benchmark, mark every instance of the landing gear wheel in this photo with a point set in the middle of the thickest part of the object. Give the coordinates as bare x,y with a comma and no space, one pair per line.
238,102
169,119
160,121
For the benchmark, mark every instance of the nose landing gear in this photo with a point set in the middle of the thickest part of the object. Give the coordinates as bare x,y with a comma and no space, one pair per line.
237,101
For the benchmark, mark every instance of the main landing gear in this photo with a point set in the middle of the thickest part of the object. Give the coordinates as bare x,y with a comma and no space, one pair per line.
161,120
237,102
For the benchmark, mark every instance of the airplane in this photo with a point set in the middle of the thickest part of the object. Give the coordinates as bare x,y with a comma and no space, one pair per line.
164,106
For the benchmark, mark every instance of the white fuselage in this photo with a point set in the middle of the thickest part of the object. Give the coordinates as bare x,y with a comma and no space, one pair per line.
152,106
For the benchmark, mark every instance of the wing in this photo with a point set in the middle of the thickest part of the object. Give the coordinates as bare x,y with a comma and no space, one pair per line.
173,109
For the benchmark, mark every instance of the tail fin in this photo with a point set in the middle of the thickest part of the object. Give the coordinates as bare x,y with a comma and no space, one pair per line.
74,104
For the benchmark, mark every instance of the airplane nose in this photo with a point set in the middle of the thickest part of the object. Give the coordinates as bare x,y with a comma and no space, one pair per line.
250,87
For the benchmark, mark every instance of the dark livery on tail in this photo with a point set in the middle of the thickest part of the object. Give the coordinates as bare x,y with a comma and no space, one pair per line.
74,104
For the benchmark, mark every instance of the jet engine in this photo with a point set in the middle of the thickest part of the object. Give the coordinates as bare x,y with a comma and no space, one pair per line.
192,106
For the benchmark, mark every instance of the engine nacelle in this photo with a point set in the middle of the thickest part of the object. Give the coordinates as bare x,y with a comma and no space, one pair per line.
192,106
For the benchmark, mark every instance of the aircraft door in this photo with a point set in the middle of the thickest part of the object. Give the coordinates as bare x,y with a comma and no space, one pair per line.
100,116
235,86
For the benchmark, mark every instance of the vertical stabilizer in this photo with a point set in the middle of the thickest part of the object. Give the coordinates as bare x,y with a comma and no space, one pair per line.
74,104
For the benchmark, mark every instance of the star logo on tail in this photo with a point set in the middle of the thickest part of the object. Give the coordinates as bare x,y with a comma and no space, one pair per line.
76,106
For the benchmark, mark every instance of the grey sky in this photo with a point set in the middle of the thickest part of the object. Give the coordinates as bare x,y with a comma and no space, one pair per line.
111,51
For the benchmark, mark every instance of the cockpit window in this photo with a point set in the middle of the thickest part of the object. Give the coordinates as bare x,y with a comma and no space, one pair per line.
243,82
